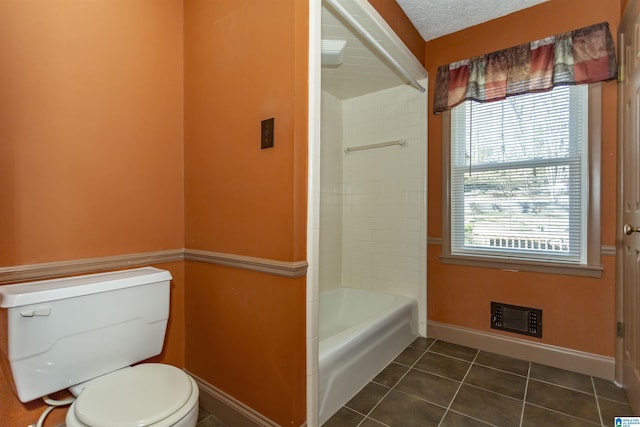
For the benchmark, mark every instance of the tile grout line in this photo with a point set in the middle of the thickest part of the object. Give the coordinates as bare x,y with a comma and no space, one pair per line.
563,411
394,385
374,407
459,387
555,411
595,395
612,400
562,386
477,387
502,370
524,397
456,358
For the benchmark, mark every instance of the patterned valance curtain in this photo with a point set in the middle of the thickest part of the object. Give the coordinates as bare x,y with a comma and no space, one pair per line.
586,55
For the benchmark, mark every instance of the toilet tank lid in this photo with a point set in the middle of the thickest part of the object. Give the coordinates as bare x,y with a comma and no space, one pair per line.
41,291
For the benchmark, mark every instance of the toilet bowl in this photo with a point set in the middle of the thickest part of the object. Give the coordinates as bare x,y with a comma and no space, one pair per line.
149,394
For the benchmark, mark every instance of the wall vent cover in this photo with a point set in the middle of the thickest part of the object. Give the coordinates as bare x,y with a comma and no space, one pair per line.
514,318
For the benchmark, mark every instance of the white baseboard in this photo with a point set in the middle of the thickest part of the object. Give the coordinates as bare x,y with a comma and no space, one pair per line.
229,410
545,354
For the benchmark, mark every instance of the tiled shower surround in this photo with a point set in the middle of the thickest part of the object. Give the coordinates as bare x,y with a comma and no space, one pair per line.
373,202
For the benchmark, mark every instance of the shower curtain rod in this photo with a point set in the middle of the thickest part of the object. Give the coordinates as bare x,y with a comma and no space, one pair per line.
374,43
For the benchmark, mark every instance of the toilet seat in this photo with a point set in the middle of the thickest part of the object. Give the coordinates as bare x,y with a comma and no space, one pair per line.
149,394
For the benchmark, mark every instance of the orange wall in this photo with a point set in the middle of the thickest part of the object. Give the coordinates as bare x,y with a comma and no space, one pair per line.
246,61
245,335
579,313
174,344
91,142
91,128
401,25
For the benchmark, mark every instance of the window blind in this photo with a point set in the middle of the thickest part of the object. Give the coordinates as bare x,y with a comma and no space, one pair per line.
519,176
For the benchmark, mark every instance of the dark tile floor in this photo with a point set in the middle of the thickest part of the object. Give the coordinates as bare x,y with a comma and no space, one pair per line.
205,419
435,383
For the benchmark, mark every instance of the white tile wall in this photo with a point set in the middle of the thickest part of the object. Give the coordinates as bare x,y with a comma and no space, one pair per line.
331,155
313,223
373,203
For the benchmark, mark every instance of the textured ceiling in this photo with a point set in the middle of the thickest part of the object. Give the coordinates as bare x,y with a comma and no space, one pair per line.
435,18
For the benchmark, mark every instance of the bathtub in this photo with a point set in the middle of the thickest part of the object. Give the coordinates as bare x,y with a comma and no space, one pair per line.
360,332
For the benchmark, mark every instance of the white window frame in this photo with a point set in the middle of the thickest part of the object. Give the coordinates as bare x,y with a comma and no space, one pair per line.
592,267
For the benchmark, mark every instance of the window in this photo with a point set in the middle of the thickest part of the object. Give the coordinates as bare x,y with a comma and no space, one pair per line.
523,182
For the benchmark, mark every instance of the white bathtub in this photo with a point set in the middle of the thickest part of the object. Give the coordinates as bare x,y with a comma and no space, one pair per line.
360,332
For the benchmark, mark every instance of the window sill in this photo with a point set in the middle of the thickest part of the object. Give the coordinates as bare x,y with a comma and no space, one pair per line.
522,265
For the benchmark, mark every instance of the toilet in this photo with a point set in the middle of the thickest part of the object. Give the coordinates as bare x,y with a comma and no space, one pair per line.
87,334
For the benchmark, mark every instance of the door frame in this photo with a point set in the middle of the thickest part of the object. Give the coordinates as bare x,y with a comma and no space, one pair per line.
619,348
630,15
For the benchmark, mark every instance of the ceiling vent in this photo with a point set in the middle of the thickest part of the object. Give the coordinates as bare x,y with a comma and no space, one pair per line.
332,52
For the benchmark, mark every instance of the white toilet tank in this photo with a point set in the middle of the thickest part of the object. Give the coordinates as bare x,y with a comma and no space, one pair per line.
60,332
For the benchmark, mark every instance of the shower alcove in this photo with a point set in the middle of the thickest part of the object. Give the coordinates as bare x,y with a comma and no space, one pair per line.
367,167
